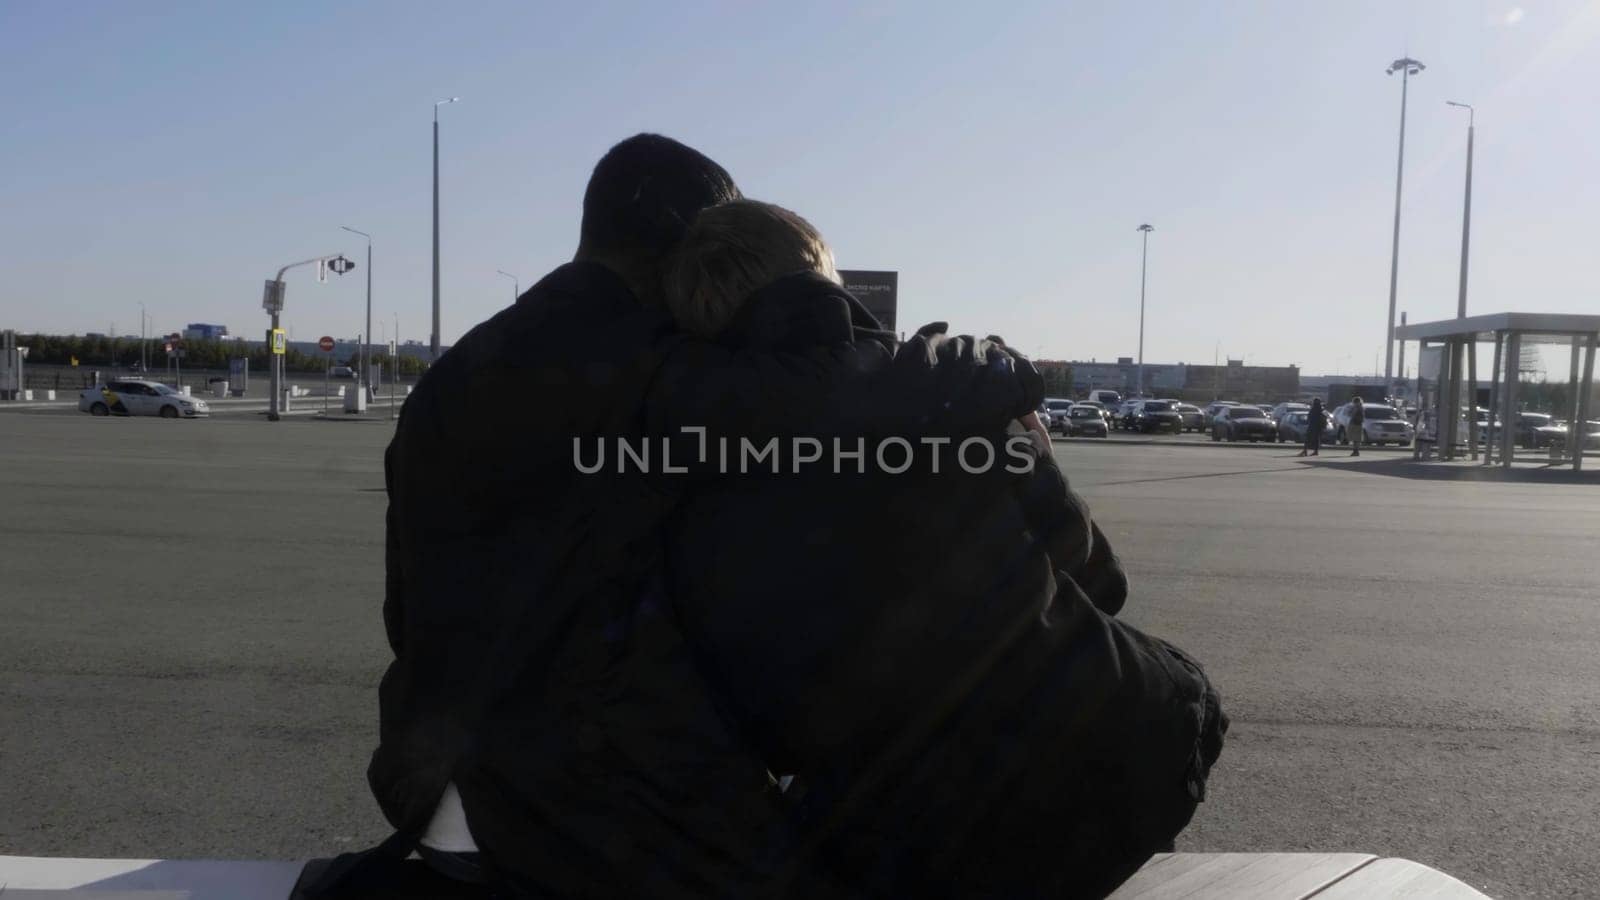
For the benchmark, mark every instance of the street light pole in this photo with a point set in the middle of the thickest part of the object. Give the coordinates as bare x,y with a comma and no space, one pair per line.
143,363
433,342
1407,67
1144,257
516,284
1466,212
1468,347
364,380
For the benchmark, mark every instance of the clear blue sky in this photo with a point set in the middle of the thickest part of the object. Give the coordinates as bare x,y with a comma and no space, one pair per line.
999,155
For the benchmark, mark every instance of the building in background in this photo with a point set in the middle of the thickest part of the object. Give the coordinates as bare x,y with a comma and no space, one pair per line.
201,331
1237,381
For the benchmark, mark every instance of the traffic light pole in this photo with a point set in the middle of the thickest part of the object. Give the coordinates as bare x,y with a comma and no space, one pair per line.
274,305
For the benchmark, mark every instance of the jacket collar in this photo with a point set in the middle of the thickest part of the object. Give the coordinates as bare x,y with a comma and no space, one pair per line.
802,310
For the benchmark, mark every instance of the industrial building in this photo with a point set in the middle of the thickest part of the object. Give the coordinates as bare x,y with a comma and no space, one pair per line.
1234,381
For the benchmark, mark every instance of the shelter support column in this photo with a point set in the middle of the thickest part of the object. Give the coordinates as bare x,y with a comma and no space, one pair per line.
1513,373
1571,412
1451,393
1579,430
1469,346
1494,399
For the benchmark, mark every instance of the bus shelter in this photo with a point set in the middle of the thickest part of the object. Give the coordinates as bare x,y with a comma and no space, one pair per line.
1509,333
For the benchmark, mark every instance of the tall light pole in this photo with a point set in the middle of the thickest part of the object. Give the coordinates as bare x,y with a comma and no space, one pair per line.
433,343
1468,347
364,378
1466,212
516,284
1144,257
143,363
1407,67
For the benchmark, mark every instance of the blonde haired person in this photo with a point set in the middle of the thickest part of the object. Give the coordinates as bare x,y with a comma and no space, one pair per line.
733,249
931,651
736,248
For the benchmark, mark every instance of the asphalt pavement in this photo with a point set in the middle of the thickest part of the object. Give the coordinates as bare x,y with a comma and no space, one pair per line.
193,636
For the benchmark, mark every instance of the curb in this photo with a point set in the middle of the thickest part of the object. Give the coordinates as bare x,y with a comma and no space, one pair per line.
353,418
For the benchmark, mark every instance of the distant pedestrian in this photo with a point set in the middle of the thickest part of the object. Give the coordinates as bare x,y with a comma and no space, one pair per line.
1356,428
1316,423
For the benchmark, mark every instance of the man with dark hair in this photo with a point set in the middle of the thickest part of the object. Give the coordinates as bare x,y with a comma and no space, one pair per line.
640,202
538,675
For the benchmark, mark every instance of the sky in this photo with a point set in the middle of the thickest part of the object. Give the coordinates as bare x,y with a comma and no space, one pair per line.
999,156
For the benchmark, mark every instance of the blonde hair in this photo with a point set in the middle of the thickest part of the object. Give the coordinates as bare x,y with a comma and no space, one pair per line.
732,250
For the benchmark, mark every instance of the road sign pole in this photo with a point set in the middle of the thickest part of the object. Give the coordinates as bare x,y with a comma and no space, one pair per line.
326,345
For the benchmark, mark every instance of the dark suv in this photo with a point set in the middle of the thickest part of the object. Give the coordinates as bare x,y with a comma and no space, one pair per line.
1156,415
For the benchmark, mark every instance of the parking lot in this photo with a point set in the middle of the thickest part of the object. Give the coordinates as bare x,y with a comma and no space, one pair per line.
192,621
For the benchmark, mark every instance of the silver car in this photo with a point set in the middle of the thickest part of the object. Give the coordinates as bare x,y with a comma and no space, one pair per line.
1193,418
1054,414
1084,420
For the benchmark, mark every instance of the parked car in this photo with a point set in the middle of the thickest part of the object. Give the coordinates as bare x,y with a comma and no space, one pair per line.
1122,415
342,372
1150,416
1104,413
1556,432
1054,413
1381,424
1083,420
1528,425
1277,413
1292,426
140,398
1193,418
1210,410
1242,423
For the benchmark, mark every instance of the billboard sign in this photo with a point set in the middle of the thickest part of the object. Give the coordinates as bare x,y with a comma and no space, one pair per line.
877,291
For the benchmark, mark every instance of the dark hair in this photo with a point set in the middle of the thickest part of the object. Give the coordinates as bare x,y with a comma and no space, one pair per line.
643,196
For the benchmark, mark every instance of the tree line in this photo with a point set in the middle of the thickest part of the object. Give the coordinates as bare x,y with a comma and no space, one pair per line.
101,352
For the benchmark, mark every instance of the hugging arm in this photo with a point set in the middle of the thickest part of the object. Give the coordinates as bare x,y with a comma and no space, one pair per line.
1060,519
933,384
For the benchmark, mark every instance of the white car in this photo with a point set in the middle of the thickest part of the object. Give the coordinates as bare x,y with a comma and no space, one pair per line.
130,397
1381,424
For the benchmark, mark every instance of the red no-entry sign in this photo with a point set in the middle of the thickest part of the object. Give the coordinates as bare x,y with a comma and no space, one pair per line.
326,344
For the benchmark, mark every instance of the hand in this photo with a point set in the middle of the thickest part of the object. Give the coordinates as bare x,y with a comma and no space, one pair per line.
1032,423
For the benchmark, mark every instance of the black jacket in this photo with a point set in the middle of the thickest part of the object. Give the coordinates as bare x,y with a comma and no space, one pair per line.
1316,419
935,656
535,661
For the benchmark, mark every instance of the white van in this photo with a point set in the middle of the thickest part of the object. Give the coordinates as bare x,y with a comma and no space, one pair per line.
1109,399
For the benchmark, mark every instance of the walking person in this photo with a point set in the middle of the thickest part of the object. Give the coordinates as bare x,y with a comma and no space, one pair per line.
1316,423
1356,428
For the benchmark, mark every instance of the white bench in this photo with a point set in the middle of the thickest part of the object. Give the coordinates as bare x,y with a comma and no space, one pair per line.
1290,876
1196,876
